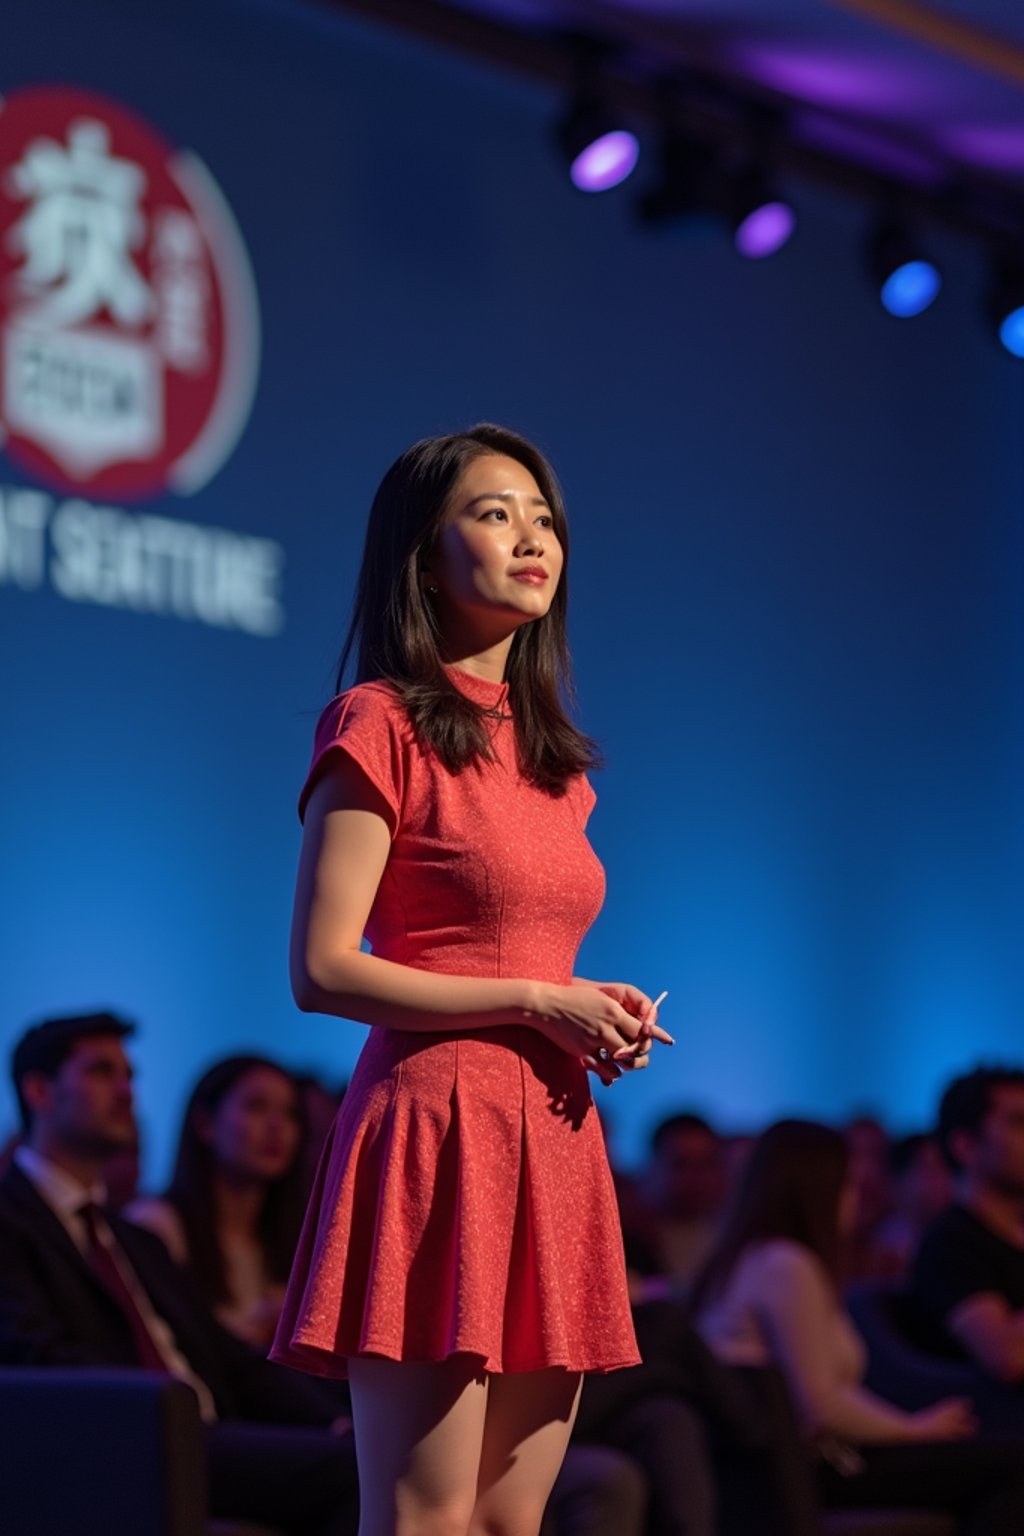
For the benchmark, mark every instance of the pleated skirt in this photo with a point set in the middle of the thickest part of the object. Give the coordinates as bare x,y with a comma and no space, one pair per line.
463,1204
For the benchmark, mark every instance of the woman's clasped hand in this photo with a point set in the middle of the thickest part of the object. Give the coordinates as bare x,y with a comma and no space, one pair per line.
592,1017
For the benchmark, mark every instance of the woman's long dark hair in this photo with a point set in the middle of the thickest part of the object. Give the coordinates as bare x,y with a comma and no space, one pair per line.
191,1189
394,633
790,1187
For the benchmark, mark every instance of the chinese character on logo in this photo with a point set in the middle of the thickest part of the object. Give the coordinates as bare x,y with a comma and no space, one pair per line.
129,321
79,234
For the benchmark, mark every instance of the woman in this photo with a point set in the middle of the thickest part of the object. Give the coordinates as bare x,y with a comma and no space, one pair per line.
461,1260
769,1295
233,1211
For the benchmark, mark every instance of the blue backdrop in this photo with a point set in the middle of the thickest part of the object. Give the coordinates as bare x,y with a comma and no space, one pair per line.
796,590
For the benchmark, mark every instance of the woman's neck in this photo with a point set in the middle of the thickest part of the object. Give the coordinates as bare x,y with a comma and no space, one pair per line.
238,1203
483,659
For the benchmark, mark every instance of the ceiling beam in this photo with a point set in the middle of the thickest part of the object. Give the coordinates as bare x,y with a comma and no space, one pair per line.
963,40
976,203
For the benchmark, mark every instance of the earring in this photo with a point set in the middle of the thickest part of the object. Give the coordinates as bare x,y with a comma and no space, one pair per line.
431,590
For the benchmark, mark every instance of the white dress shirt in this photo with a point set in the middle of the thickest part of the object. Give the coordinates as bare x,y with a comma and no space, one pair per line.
66,1196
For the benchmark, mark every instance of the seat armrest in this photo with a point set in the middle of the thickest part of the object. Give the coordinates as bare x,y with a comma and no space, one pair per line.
99,1451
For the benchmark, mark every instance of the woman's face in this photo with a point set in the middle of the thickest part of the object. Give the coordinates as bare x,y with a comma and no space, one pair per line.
255,1132
497,561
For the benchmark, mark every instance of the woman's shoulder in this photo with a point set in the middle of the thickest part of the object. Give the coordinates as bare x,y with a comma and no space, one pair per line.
160,1216
365,708
369,722
374,696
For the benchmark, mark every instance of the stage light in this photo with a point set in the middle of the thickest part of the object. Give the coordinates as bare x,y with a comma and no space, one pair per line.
763,221
1006,305
605,155
1011,331
765,229
599,148
911,289
908,281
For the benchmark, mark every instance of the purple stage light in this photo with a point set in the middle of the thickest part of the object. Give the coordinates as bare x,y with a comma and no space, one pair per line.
606,161
765,230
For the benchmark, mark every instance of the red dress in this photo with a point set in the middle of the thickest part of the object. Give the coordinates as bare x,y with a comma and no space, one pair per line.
463,1201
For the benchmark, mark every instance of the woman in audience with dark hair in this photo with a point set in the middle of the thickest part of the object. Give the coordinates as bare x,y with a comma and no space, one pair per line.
922,1189
769,1295
234,1208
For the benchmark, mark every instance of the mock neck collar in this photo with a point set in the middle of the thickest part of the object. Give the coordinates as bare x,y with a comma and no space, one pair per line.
481,690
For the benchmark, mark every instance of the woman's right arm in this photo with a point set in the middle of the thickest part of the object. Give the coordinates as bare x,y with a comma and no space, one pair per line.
344,850
797,1312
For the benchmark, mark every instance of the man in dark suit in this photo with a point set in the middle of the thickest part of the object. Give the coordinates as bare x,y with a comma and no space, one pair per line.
82,1286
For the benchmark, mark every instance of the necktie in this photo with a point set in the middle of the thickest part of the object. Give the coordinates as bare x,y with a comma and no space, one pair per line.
105,1268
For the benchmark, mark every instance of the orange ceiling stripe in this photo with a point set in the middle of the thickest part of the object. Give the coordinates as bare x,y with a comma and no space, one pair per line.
973,45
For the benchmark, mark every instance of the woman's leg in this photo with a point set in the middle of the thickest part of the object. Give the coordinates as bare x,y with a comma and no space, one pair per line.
526,1431
419,1433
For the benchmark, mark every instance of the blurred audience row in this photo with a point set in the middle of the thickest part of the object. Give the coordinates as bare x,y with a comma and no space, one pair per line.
746,1255
672,1212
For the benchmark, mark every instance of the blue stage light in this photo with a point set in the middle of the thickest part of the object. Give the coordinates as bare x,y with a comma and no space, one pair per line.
911,288
1011,331
1006,303
907,280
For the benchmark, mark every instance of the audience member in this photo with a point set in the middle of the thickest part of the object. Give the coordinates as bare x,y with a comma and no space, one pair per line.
969,1273
921,1189
80,1285
769,1295
676,1414
735,1151
671,1222
867,1146
234,1208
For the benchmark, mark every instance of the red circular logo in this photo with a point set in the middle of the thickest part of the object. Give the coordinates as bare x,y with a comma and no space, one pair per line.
129,327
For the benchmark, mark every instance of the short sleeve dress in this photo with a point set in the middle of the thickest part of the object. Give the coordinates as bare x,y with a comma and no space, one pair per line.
463,1202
